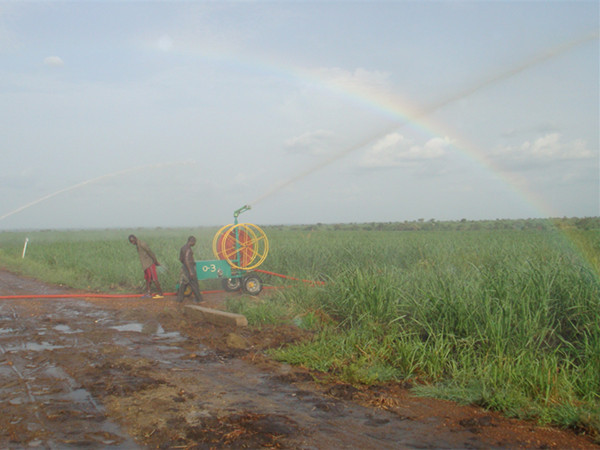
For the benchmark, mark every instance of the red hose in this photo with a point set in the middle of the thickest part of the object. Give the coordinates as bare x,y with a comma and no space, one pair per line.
83,295
95,295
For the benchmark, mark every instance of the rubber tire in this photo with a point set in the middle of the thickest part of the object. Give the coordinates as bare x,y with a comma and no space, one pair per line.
252,284
232,284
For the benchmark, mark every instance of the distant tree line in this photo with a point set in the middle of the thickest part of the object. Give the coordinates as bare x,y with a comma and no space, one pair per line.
585,223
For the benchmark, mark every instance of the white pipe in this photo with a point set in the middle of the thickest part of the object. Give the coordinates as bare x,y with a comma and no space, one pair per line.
25,247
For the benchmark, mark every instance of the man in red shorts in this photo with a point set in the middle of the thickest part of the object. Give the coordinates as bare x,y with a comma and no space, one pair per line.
149,263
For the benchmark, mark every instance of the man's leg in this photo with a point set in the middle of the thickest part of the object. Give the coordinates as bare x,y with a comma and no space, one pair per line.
183,282
149,275
181,290
196,289
192,280
158,288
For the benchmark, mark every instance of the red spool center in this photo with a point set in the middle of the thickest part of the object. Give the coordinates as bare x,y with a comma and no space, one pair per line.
226,247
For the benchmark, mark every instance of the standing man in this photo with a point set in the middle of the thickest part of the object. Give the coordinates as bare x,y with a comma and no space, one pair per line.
188,277
149,263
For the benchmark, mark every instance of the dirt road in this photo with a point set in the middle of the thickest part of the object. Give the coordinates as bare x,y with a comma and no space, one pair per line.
139,373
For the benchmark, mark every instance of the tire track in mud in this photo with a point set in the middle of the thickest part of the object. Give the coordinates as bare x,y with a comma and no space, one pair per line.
43,406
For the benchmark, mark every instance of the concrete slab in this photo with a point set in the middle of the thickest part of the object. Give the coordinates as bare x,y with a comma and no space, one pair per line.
215,316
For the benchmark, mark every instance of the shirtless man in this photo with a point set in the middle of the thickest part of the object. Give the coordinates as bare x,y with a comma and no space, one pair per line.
149,263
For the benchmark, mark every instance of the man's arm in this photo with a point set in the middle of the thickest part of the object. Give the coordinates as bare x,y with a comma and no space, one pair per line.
150,253
190,263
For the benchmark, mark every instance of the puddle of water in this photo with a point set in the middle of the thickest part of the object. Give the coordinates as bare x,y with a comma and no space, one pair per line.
66,329
80,396
156,330
172,337
34,347
136,327
55,372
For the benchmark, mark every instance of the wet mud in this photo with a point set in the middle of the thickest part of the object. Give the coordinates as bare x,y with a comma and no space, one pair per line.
139,373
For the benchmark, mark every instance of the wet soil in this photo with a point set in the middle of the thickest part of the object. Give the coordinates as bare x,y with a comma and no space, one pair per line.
140,373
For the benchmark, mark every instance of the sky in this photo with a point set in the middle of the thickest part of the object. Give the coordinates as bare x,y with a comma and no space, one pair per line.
125,114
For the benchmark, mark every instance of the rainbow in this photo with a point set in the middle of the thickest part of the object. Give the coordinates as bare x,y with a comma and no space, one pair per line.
399,111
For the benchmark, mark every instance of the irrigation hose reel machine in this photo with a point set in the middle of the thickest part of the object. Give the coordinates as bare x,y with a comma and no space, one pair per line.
239,248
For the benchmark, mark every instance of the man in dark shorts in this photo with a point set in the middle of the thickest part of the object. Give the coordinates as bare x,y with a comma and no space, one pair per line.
188,277
149,263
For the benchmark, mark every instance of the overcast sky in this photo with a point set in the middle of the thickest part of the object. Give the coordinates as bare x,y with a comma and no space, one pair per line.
129,114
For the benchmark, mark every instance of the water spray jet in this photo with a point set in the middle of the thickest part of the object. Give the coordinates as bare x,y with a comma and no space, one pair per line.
87,182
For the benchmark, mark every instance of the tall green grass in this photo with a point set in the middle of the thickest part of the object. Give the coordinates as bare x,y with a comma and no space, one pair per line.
506,319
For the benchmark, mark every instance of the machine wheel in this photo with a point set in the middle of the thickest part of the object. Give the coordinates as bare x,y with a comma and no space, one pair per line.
232,284
251,284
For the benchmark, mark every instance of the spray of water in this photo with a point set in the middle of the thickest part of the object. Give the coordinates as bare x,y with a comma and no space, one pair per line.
91,181
484,83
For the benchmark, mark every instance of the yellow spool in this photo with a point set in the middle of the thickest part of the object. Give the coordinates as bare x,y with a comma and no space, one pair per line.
244,245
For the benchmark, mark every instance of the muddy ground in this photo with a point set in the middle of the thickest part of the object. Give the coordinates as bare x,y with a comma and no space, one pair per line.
139,373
